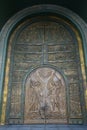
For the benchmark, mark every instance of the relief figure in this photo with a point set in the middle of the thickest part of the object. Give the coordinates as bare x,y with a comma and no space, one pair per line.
45,94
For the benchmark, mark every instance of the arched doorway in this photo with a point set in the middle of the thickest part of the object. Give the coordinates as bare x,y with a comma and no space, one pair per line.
45,40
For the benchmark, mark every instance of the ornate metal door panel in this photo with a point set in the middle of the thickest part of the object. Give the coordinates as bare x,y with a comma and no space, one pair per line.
44,96
45,99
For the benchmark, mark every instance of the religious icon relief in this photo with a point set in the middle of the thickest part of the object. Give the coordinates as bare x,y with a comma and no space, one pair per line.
45,97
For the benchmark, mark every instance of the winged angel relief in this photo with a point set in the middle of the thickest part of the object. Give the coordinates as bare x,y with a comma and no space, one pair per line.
45,97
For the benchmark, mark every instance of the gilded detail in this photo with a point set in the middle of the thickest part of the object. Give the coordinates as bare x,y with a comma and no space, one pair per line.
5,91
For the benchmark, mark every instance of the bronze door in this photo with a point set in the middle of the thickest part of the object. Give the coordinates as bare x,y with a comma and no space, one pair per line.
44,75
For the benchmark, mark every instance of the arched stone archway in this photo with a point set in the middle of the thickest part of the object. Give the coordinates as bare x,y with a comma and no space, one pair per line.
29,14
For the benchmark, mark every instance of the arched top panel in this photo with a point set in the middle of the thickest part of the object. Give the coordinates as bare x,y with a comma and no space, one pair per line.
38,9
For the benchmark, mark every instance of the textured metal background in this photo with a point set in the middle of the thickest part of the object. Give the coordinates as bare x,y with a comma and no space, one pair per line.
44,43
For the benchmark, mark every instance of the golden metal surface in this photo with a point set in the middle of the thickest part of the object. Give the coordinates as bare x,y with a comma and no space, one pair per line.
5,88
5,92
